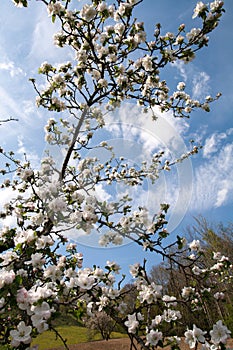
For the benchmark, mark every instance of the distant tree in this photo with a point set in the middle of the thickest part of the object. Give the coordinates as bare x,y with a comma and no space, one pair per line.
160,274
216,301
102,323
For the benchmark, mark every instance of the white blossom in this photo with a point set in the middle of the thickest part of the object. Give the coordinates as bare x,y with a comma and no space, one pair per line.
195,245
88,12
153,337
171,315
200,7
55,8
37,260
147,63
181,86
187,291
21,334
57,205
133,322
156,321
192,337
216,5
19,4
85,280
149,293
193,34
6,277
219,333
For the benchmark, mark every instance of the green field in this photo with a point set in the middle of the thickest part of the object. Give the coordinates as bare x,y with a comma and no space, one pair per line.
73,335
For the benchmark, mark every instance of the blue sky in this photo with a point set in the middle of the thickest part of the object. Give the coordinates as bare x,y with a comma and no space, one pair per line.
203,185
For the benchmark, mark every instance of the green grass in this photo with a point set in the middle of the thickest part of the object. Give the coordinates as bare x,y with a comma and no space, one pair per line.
73,334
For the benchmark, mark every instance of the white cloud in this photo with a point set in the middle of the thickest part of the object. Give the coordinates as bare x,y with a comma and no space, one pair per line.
31,155
136,137
199,80
213,185
201,86
101,194
6,195
8,106
166,132
222,195
212,144
182,69
42,47
10,66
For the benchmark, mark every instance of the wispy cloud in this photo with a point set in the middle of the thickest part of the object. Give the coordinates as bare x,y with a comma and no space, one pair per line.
31,155
199,80
8,105
214,141
182,69
136,137
201,87
213,185
11,68
44,31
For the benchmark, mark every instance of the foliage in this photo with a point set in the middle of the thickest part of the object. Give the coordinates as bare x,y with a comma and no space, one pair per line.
113,62
217,298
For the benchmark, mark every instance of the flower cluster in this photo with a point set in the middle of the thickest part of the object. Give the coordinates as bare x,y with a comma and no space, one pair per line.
103,58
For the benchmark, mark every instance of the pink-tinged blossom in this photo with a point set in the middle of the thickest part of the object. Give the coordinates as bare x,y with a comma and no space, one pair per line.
8,257
37,292
53,272
57,205
41,313
193,34
6,277
219,296
219,333
2,304
24,237
25,174
41,325
23,298
44,241
55,8
21,334
37,260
